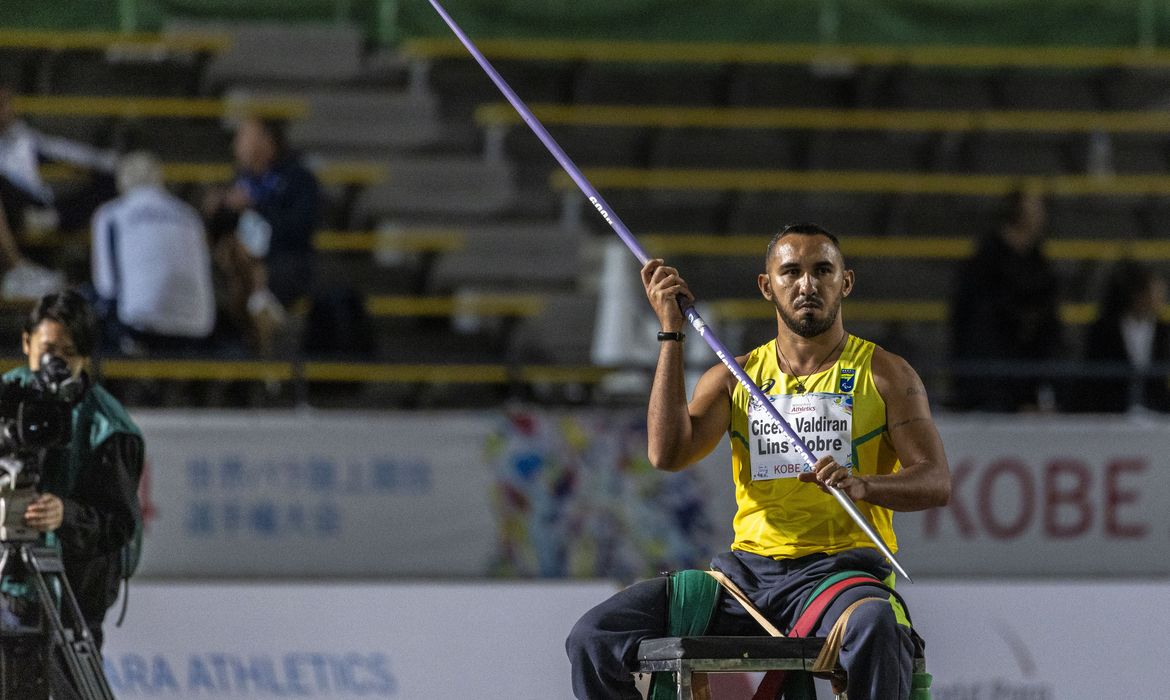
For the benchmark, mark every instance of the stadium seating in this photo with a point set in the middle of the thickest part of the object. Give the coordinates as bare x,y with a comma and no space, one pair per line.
100,73
718,148
278,54
457,188
1136,88
927,88
530,257
1025,154
1139,153
365,123
467,251
789,86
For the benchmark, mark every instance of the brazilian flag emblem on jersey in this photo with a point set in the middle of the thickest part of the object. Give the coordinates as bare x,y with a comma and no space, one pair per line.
846,379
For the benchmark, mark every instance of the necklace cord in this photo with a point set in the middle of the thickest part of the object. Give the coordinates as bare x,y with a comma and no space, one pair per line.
800,383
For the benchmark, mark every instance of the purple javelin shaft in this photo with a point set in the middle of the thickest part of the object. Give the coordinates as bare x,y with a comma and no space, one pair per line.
688,310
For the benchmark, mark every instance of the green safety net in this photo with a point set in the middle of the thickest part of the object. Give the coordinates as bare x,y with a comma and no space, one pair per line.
1102,23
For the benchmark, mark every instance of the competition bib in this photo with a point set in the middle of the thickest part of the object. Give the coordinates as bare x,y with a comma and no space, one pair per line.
823,421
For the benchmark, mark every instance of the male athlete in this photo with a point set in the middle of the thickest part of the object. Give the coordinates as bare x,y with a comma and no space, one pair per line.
863,409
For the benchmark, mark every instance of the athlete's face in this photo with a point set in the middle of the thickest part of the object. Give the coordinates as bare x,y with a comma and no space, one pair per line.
806,280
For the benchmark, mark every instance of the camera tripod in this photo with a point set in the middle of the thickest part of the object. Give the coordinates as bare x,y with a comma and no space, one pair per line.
65,661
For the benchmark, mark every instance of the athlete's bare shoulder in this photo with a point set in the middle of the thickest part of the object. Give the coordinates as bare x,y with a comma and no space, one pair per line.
893,375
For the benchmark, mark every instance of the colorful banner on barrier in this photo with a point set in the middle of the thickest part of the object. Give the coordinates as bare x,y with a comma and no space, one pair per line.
570,494
574,495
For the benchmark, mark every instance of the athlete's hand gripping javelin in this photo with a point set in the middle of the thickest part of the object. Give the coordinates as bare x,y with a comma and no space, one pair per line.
667,293
826,472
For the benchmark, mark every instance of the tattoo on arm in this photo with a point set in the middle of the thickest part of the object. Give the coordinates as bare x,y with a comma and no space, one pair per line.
918,390
908,421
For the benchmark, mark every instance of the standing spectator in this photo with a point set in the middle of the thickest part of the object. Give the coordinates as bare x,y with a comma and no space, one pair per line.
1004,310
151,266
1128,338
273,207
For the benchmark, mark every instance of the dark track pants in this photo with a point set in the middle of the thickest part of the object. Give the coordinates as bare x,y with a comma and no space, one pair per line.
877,651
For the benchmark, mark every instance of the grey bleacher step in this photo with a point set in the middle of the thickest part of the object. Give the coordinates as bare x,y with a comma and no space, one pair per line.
264,52
439,186
84,73
562,333
510,256
357,120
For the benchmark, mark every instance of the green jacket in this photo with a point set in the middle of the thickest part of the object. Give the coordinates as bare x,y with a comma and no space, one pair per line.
96,477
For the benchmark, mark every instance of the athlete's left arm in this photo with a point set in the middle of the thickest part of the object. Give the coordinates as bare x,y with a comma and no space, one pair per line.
924,481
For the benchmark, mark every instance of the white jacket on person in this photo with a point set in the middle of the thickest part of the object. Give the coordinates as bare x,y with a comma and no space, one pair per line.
150,255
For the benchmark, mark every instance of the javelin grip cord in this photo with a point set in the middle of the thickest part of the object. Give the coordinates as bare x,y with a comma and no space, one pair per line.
688,310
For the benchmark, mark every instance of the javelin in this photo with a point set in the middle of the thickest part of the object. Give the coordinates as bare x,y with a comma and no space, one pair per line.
688,309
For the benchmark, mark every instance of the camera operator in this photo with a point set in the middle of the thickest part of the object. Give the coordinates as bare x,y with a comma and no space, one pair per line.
88,500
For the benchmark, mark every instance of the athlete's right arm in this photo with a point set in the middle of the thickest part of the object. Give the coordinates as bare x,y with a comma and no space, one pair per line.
679,434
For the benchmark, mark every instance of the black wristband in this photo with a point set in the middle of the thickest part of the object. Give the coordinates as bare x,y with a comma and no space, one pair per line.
671,335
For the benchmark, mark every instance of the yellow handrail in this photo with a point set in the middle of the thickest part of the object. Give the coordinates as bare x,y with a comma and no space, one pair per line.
890,310
714,53
165,107
1154,121
197,370
56,40
926,247
514,305
339,173
862,181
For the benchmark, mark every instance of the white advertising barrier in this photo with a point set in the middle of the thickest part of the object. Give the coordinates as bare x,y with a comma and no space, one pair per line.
1046,496
518,493
568,493
1043,641
435,641
238,494
342,642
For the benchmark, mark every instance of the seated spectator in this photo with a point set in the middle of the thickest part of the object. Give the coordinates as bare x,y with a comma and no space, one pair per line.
22,148
28,202
1004,315
151,266
271,212
1125,342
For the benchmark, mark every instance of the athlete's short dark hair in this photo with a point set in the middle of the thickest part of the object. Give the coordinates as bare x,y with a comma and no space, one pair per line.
800,229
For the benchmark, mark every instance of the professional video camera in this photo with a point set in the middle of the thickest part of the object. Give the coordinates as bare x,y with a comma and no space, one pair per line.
41,656
34,417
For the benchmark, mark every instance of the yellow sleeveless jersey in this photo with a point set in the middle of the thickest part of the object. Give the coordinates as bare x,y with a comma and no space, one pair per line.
841,413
